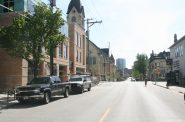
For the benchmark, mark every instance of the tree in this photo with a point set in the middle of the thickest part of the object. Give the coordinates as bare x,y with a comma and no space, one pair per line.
140,66
30,38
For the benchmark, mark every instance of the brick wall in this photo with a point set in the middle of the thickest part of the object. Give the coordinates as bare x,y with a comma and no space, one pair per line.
13,71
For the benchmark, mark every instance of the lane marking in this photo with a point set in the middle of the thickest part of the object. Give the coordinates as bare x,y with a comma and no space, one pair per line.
104,115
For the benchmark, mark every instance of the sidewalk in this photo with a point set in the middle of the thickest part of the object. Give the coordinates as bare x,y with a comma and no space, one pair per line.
174,88
4,102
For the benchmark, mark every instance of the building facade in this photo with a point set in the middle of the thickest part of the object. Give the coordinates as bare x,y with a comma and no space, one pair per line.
17,71
158,67
75,19
177,54
121,64
13,71
101,65
69,57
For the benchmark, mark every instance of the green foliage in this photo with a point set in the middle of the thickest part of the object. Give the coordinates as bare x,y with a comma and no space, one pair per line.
30,38
140,66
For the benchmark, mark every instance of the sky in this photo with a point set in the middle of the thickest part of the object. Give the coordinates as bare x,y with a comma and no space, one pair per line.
133,27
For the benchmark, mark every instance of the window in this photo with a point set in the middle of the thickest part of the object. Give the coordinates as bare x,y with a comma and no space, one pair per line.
77,56
80,57
73,19
94,60
76,38
79,40
60,51
83,42
9,4
179,51
65,52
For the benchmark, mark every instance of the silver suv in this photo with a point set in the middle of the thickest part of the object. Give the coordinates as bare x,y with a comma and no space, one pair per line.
80,82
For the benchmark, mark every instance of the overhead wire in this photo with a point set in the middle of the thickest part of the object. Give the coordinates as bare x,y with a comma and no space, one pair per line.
97,12
92,10
88,10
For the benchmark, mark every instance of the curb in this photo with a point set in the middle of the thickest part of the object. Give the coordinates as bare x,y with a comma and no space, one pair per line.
169,88
160,86
5,104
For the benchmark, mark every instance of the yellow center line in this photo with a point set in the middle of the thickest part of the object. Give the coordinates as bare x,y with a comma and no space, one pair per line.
104,115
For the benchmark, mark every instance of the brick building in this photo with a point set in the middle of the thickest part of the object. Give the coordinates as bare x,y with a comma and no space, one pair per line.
75,19
16,71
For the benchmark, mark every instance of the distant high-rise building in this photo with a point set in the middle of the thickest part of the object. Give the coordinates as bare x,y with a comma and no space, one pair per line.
121,64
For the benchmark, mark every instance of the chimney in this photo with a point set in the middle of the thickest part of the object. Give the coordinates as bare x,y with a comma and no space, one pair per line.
175,38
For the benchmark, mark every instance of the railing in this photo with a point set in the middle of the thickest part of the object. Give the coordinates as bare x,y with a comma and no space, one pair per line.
10,93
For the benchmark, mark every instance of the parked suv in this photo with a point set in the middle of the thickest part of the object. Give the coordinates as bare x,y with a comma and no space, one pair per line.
43,88
80,82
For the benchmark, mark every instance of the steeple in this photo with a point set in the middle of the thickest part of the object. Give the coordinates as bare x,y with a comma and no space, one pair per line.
75,12
77,5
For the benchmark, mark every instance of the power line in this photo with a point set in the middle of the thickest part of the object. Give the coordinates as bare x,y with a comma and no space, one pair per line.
93,13
86,7
95,8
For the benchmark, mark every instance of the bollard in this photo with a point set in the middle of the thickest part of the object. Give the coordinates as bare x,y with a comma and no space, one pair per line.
184,96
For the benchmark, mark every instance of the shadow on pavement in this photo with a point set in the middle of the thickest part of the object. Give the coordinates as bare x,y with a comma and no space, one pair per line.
29,104
77,93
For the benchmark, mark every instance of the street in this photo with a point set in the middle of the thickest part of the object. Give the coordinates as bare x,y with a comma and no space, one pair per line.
107,102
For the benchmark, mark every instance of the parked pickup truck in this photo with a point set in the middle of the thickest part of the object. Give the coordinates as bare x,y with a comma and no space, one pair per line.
43,88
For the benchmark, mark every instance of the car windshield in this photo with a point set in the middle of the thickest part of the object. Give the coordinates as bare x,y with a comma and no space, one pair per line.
43,80
75,79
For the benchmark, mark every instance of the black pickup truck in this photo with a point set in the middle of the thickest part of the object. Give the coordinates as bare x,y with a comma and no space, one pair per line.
43,88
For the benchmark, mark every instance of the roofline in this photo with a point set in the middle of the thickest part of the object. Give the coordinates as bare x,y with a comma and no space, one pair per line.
181,39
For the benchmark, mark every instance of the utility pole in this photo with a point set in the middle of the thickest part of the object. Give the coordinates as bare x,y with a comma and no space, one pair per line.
52,4
89,24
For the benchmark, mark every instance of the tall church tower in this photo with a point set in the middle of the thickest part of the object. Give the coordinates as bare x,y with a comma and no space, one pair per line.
75,13
77,35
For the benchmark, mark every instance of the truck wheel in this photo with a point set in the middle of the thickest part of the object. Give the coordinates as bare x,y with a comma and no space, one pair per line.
21,101
89,89
66,94
46,97
82,90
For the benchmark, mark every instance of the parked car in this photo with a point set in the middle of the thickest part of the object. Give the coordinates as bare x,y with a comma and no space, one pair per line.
42,88
80,82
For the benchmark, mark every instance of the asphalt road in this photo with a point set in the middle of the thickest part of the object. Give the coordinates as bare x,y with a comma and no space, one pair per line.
108,102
